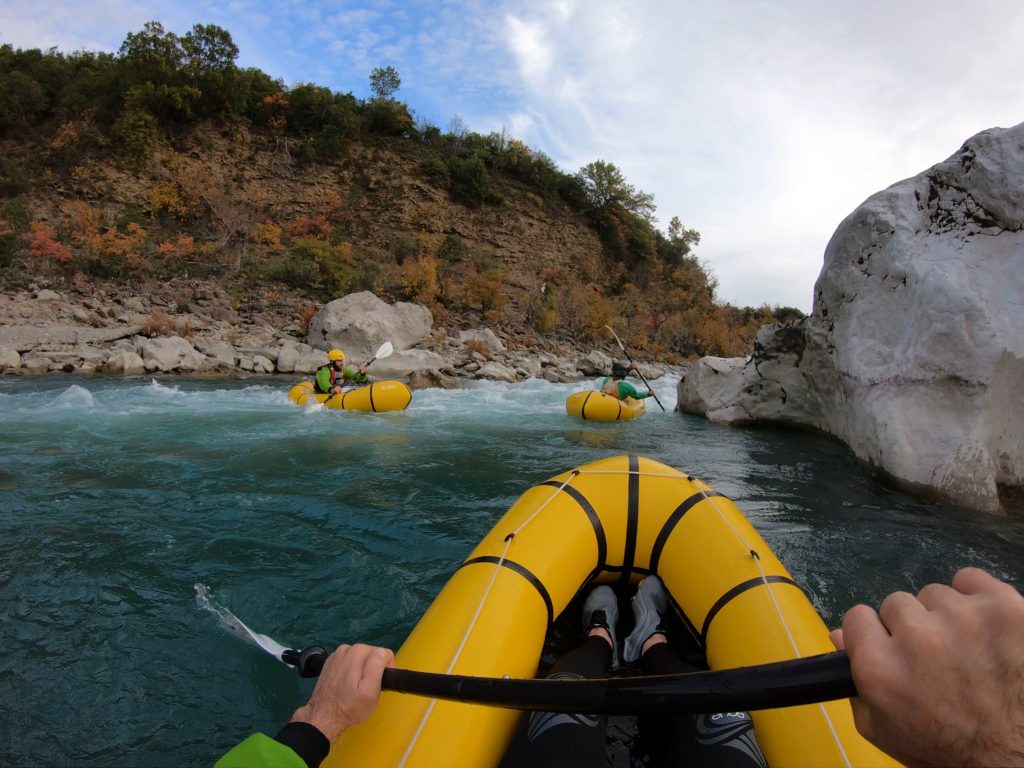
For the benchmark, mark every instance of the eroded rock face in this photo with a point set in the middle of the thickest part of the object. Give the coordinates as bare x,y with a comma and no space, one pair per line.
360,322
914,353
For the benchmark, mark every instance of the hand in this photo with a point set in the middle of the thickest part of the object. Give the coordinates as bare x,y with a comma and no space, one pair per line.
348,689
362,368
940,676
336,391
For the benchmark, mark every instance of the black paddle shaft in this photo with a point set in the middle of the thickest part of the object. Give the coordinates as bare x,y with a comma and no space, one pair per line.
630,358
767,686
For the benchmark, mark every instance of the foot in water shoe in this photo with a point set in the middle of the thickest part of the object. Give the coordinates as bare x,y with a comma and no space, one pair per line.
601,609
649,603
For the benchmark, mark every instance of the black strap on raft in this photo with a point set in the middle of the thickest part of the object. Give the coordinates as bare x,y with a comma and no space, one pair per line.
767,686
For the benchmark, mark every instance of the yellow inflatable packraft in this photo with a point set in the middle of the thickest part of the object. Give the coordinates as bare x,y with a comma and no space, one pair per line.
612,521
377,397
598,406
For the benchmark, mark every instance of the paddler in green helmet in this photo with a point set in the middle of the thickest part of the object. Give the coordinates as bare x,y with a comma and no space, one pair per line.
332,377
616,384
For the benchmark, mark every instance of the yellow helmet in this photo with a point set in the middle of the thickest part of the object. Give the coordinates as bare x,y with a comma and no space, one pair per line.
335,355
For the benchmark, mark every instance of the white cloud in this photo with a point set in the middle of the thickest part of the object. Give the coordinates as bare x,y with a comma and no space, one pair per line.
763,125
529,45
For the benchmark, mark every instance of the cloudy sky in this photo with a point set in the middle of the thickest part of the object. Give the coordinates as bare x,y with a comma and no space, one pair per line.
760,123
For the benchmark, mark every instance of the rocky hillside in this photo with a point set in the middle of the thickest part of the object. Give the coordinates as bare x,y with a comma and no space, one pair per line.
166,162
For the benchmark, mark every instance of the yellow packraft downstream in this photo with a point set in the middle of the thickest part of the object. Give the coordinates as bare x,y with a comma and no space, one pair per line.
597,406
615,520
377,397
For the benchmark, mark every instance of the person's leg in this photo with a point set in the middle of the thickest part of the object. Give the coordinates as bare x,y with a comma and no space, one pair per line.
560,740
721,739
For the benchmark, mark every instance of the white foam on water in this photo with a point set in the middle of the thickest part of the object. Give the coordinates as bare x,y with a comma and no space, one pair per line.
73,398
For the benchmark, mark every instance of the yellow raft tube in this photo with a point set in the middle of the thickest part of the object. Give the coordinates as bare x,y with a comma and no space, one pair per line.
615,520
377,397
598,406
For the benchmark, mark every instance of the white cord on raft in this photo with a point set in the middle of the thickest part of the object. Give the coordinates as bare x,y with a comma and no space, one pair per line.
479,609
778,612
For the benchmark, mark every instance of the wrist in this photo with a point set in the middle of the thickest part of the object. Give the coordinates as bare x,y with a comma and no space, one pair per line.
331,726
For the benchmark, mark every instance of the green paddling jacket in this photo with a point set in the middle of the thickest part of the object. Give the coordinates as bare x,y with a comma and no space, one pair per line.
327,377
297,745
625,389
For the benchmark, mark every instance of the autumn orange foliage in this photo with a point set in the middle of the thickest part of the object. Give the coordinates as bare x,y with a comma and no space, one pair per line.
43,243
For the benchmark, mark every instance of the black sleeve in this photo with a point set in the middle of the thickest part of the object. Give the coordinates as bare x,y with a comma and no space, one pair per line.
306,741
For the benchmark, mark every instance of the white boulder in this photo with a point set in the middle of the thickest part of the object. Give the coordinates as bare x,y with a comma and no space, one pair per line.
262,364
126,362
307,361
287,356
595,363
171,353
914,353
9,358
360,322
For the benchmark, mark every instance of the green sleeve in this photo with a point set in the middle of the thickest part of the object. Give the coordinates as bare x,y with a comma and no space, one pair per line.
352,374
323,379
628,390
261,751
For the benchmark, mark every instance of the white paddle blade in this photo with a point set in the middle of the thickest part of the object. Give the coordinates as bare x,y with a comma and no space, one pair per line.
385,351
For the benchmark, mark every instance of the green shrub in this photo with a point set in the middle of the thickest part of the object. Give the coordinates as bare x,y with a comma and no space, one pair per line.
315,266
404,248
435,169
139,133
471,184
452,249
14,179
389,118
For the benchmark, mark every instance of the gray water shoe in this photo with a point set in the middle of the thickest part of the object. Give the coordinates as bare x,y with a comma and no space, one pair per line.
649,603
601,609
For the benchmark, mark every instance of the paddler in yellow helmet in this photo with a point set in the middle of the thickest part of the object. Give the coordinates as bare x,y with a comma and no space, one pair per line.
332,377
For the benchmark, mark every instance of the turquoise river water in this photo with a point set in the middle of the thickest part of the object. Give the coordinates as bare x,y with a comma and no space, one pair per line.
117,497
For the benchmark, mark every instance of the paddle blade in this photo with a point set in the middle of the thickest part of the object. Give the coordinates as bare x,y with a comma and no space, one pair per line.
617,339
385,351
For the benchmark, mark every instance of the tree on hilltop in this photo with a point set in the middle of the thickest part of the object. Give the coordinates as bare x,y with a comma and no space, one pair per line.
384,81
607,188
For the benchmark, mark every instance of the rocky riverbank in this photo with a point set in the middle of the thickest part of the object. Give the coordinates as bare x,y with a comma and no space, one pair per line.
197,329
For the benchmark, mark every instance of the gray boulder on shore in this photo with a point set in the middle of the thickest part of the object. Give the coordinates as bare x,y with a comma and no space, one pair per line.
913,355
360,322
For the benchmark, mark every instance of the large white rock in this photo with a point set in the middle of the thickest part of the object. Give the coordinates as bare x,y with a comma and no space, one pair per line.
171,353
286,358
9,358
125,362
595,363
309,361
360,322
914,353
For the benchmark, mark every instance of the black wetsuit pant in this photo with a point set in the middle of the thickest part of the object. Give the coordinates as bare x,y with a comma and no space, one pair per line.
556,740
